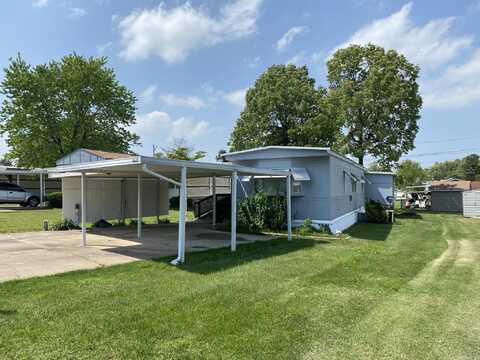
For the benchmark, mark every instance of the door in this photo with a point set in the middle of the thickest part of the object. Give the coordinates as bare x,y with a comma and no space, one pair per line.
15,193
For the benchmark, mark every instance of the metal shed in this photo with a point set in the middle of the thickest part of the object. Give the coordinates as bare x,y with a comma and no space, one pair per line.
471,203
448,200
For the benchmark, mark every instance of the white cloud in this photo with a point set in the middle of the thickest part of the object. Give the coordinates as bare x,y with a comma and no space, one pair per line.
40,3
457,87
147,95
302,58
252,63
236,98
430,45
193,102
77,12
157,127
289,36
102,49
172,34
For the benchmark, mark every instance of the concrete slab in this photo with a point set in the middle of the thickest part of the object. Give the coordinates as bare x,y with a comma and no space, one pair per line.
24,255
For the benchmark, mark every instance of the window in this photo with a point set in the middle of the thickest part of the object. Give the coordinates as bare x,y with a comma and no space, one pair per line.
297,188
4,186
363,187
13,187
354,186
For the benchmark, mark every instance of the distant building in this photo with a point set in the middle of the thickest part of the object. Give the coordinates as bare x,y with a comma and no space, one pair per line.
447,195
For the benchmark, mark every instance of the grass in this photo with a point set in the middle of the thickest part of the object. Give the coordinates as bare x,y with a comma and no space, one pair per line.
386,292
32,220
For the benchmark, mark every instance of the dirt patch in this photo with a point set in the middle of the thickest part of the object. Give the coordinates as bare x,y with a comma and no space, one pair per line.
466,254
430,271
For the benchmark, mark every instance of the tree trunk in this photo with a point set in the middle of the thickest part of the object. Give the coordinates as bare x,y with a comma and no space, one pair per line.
360,159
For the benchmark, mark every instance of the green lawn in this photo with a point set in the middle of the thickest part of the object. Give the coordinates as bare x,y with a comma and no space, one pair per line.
408,291
32,220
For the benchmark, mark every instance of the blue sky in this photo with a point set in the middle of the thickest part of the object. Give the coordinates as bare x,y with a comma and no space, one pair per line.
190,63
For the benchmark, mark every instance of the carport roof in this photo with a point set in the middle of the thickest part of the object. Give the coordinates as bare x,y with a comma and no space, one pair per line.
130,167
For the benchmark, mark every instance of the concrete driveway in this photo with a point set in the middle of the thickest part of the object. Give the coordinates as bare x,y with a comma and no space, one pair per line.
24,255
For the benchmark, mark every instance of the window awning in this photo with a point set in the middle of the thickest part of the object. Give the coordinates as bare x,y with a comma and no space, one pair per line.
365,180
299,174
351,176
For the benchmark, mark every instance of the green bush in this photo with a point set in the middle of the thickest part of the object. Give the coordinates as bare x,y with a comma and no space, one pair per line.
276,213
260,212
376,212
133,222
306,228
55,200
65,225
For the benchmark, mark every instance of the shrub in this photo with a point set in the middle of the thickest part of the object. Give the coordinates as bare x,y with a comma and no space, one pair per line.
55,200
306,228
376,212
65,225
259,212
276,213
133,222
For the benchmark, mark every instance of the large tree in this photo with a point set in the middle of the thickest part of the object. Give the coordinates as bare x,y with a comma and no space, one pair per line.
52,109
410,173
471,167
284,108
378,101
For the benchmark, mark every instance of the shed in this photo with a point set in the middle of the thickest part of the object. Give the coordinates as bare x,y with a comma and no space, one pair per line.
471,204
447,200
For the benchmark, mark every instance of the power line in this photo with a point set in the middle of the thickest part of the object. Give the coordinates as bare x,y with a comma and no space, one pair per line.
442,152
449,140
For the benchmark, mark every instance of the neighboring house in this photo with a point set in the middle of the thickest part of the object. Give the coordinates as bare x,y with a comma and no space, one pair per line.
328,188
447,195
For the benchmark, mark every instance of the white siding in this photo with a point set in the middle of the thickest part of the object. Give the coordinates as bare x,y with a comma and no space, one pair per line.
104,198
471,203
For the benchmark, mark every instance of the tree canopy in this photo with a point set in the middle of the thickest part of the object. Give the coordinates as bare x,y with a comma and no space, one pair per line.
378,101
51,109
410,173
180,150
471,167
284,108
450,169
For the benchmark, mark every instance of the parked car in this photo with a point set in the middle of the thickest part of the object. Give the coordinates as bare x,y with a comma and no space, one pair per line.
14,194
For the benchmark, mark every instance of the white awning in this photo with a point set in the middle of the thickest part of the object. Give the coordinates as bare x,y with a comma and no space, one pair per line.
300,174
365,180
351,176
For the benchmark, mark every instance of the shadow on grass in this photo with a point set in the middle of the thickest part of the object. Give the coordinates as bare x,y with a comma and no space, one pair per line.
408,215
368,231
8,312
215,260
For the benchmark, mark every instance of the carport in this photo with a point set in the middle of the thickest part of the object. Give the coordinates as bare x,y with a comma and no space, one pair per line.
174,172
18,172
